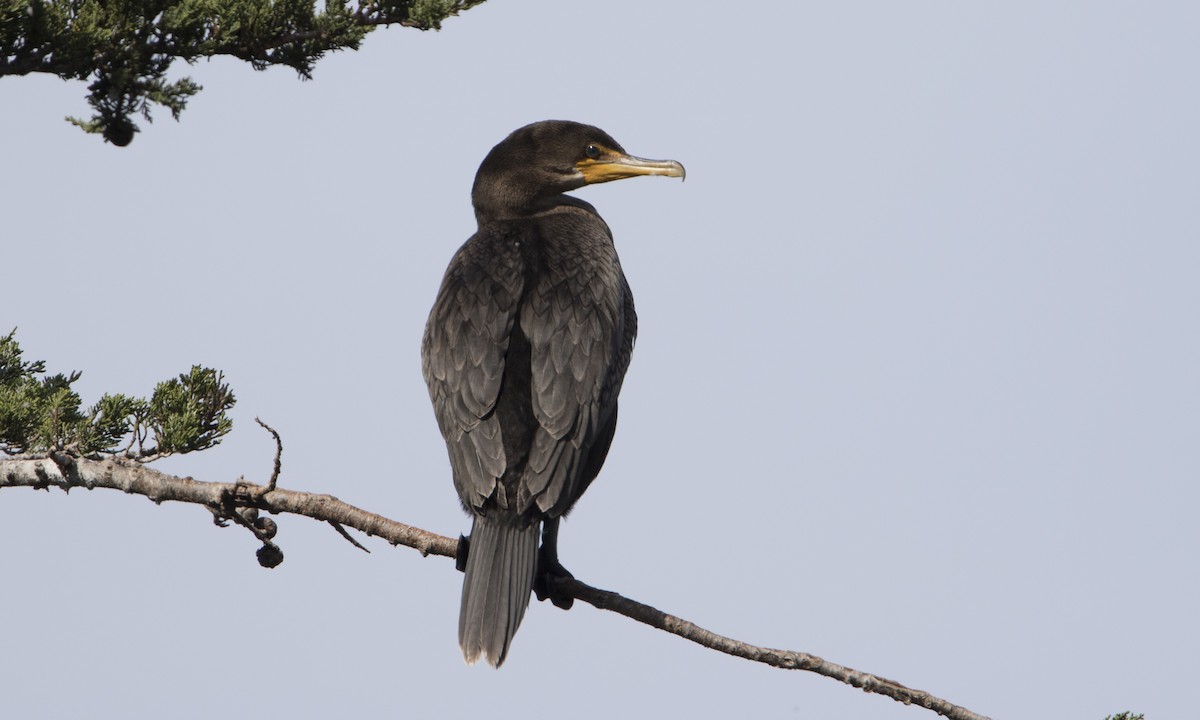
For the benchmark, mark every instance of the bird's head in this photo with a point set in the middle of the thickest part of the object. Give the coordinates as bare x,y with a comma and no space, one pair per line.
538,162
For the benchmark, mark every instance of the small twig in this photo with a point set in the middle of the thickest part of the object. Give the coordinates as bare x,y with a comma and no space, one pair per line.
147,456
351,540
240,519
278,455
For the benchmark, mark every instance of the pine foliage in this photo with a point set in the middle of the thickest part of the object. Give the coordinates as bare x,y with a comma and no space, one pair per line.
126,47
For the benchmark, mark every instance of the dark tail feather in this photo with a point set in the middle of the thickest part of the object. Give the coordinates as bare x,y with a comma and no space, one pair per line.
500,566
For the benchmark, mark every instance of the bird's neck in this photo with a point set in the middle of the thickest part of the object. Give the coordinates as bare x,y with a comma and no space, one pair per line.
489,210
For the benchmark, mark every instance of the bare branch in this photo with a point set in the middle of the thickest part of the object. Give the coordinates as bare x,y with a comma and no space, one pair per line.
786,659
230,500
66,472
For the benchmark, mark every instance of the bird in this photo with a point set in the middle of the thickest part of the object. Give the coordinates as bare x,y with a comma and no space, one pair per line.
524,354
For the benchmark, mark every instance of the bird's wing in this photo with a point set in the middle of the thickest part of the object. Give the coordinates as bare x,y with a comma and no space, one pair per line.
462,358
580,322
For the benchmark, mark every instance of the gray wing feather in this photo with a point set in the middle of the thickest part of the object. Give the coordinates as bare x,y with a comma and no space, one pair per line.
581,327
462,356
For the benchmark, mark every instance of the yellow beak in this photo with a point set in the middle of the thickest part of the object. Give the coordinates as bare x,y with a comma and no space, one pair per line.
613,165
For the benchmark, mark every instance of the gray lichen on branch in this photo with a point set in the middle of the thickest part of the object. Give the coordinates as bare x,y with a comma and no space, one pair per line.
127,46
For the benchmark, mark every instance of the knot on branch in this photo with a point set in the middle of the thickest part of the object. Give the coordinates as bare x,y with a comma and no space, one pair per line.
67,466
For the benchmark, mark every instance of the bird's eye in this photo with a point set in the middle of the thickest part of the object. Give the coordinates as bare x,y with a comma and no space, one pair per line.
592,151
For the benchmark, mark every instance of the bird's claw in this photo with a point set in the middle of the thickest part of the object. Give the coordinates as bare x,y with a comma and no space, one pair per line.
545,584
460,556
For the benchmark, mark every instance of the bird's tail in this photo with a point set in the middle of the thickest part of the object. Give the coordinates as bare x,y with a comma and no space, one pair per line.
500,568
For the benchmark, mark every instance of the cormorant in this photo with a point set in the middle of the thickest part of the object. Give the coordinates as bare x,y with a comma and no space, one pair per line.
524,354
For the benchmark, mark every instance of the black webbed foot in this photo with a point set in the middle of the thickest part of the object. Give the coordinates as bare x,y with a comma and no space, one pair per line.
460,557
545,582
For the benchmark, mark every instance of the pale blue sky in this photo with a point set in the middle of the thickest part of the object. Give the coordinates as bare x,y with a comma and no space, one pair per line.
917,387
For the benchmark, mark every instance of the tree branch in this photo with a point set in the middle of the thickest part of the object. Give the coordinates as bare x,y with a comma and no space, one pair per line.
225,500
128,47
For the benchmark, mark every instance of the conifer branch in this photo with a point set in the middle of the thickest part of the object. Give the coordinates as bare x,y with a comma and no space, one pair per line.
126,47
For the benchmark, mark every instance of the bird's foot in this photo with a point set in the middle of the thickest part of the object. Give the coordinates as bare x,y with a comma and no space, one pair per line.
549,572
460,557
